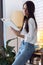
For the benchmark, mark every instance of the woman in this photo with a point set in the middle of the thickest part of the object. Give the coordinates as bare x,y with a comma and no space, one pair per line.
28,33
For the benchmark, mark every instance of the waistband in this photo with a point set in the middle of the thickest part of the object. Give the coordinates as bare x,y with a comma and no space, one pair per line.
27,43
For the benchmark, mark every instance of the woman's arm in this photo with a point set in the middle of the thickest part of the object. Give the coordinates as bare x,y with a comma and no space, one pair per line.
17,33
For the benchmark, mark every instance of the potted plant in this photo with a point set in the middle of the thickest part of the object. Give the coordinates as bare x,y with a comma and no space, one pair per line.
8,56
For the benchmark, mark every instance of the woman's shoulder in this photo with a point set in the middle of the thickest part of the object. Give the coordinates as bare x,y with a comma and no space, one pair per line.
31,20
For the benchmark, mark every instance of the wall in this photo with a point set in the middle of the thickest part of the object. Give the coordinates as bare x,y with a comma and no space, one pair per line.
10,5
39,12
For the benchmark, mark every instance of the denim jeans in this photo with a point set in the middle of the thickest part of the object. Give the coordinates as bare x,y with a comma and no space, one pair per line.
24,53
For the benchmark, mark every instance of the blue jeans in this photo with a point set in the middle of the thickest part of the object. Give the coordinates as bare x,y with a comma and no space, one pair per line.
24,53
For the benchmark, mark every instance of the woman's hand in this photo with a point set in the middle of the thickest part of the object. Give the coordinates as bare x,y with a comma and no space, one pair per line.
17,33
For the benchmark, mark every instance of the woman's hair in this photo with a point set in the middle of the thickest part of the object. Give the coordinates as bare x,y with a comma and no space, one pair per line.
31,10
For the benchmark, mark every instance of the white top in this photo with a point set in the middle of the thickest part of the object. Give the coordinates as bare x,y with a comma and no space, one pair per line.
31,36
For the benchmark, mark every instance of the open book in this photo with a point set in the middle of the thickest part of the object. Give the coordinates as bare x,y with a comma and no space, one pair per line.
8,22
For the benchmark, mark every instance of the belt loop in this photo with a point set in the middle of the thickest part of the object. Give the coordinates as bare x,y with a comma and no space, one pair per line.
23,41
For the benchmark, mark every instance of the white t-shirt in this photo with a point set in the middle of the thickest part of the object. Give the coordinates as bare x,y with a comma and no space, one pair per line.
31,36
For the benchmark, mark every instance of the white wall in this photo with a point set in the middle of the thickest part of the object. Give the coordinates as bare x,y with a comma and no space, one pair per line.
39,12
10,5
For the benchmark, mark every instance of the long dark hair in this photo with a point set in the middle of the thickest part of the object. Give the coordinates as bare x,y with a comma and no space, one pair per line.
31,10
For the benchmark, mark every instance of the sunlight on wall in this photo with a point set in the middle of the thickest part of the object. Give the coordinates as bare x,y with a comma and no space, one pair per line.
40,38
17,18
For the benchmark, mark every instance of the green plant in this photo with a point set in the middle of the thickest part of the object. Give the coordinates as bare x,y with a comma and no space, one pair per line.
6,55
